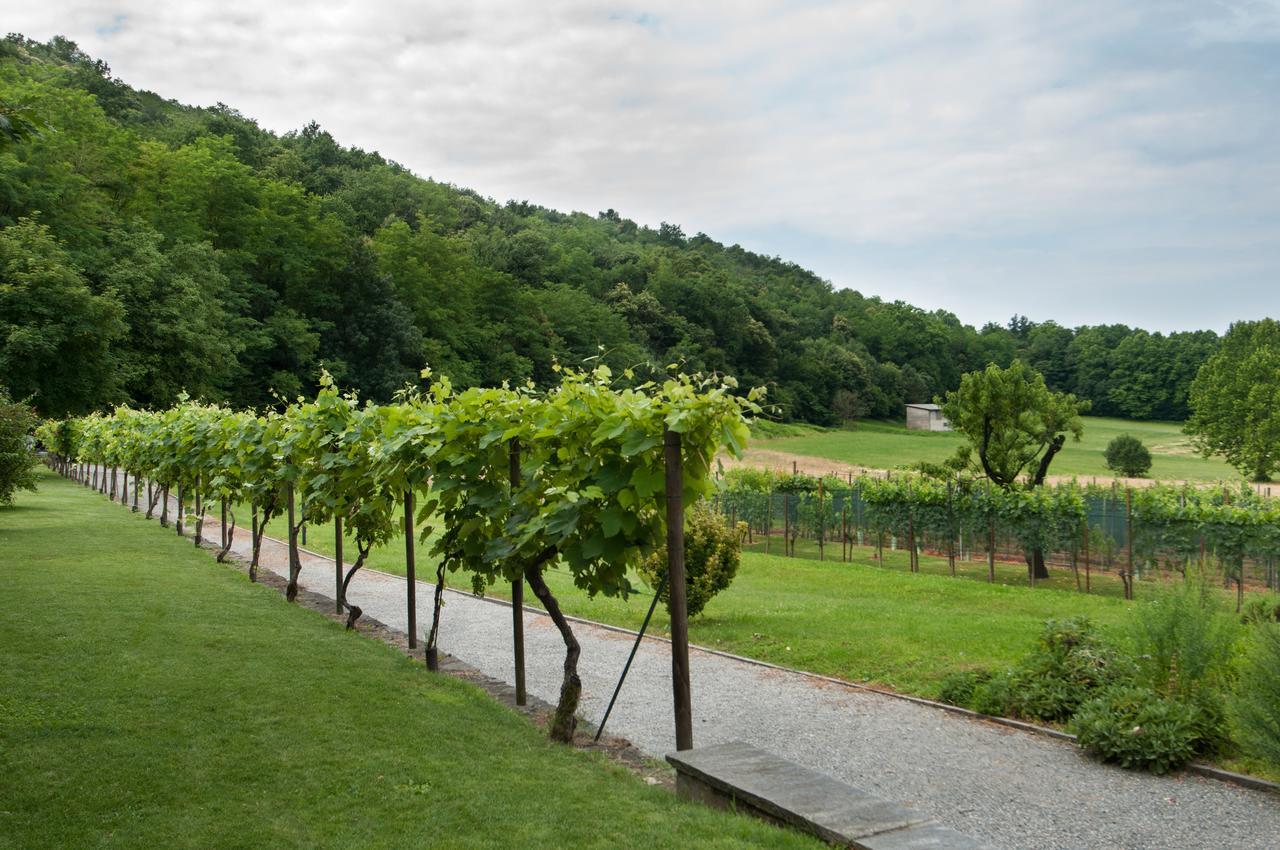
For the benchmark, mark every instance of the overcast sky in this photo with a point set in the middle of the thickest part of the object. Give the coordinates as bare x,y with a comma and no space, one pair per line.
1088,161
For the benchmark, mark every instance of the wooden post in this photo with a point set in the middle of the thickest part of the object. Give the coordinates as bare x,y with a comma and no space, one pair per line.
409,569
517,589
991,548
1128,534
786,524
136,482
177,521
822,552
337,563
676,599
199,508
1086,557
768,522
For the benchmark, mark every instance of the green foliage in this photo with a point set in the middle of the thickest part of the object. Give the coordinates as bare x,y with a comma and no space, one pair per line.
1127,456
1069,665
1137,727
1255,710
1261,608
201,251
712,552
995,696
958,688
17,456
1235,399
1184,641
1014,422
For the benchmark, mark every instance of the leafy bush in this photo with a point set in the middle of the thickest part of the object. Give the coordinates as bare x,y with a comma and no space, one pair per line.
17,459
1184,640
957,688
1261,609
994,696
1128,456
712,552
1256,707
1069,665
1136,727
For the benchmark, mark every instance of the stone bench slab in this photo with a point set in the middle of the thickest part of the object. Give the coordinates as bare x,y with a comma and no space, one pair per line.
745,777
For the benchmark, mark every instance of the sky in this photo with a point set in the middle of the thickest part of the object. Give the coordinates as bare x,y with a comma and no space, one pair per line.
1088,162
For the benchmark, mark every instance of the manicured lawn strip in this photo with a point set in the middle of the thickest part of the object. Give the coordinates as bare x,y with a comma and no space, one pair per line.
153,698
882,445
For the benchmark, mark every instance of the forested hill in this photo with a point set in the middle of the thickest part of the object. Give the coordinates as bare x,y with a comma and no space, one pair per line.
148,247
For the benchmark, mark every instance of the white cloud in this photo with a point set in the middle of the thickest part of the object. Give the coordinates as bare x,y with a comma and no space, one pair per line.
962,134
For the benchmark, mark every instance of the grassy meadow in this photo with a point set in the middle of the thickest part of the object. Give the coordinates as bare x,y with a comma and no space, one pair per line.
884,445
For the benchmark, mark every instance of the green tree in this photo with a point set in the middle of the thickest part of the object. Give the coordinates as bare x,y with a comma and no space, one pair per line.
55,333
1015,426
1128,456
17,459
1235,400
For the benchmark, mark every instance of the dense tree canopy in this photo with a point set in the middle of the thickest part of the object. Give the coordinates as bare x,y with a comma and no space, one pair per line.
150,246
1235,400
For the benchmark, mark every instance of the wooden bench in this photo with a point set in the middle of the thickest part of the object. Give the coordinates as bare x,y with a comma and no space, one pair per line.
742,777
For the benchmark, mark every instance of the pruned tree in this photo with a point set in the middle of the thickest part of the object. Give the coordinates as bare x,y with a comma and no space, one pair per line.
1015,427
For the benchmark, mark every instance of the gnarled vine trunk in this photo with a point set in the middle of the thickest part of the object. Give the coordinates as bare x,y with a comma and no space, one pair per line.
354,611
230,531
565,719
433,659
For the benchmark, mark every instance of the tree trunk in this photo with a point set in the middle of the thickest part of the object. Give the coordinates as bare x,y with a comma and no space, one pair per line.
437,603
353,611
295,561
230,530
565,718
1035,565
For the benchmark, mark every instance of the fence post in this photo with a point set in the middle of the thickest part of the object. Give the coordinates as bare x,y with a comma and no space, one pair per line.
337,562
822,551
1128,534
199,508
409,569
786,524
177,521
517,589
676,599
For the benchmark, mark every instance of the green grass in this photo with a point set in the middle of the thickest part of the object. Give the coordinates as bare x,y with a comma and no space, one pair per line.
150,697
882,445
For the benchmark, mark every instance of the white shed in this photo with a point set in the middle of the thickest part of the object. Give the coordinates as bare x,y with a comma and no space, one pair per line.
926,417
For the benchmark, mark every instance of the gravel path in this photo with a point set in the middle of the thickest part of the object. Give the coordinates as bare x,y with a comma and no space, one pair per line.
1010,788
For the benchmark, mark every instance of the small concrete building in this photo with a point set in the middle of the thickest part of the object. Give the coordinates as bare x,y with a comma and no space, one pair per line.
926,417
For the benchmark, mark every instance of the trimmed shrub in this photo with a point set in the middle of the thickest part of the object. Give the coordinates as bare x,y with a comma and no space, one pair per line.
1128,456
1255,709
712,552
1135,727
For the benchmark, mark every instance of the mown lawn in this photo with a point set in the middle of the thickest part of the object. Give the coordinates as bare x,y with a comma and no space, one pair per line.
150,697
882,445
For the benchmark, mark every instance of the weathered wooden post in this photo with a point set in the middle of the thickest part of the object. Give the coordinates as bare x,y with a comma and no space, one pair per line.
337,562
517,589
177,519
199,507
676,598
1128,533
412,581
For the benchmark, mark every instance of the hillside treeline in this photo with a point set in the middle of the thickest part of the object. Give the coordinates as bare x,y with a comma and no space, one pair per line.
148,248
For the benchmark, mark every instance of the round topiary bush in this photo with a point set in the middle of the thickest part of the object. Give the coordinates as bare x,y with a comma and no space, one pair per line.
1127,456
712,551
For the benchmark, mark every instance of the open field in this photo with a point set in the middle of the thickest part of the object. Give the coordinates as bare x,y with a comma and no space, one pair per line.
883,445
150,697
